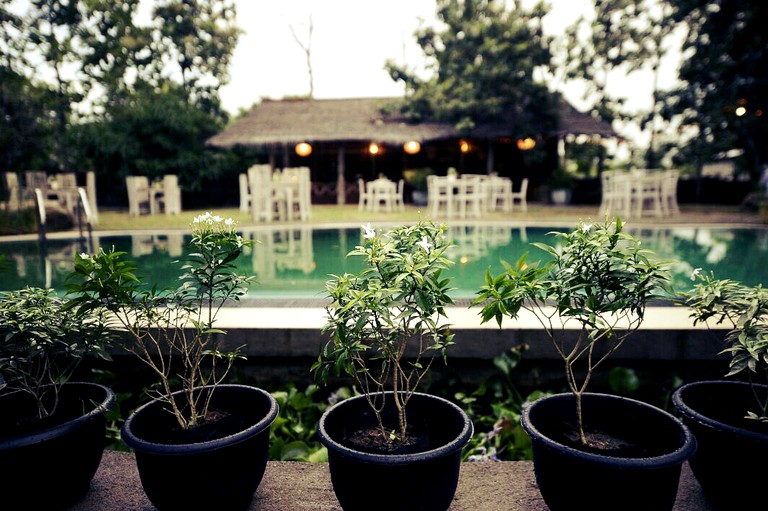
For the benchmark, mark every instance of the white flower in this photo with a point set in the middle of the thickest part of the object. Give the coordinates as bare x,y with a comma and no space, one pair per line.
369,231
204,218
83,255
586,227
229,222
424,243
695,273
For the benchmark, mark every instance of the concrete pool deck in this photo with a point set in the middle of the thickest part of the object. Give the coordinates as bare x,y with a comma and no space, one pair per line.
667,334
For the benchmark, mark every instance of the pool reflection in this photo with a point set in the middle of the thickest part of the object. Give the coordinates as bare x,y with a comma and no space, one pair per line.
296,262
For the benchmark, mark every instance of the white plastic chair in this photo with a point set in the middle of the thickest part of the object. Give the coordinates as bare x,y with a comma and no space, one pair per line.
265,203
500,192
469,196
400,195
669,205
646,192
364,200
297,186
90,189
616,194
14,191
245,193
520,196
383,192
440,197
170,201
138,194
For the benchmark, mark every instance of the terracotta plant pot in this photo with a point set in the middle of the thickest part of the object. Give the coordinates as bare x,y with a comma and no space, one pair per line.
424,480
49,464
729,444
642,475
215,466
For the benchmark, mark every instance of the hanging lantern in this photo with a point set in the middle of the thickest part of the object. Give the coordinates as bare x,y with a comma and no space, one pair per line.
303,149
412,147
525,144
374,148
463,146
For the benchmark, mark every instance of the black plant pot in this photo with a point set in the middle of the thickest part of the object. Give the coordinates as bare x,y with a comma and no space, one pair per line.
729,444
642,477
49,464
218,466
422,480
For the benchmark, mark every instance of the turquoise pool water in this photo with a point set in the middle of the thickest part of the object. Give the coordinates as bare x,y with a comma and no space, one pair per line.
295,263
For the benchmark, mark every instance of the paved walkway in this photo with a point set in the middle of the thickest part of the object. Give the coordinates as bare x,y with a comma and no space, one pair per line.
298,486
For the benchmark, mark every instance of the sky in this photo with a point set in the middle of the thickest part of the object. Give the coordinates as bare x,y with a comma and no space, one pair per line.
350,43
352,40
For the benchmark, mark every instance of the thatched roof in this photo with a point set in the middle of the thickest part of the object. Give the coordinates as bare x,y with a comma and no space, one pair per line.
359,119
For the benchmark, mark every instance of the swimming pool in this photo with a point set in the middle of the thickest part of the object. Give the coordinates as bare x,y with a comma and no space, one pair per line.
296,262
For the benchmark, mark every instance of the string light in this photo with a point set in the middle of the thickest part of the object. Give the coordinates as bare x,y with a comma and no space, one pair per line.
303,149
412,147
525,144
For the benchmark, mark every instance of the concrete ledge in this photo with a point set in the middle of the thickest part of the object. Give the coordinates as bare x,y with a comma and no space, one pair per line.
296,486
667,333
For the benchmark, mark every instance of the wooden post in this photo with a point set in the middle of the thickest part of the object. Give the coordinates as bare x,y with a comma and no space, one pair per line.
341,185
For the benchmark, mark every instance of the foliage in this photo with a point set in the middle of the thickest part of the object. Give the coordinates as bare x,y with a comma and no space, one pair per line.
117,95
745,308
293,434
417,178
495,407
173,331
561,178
620,38
484,60
199,37
726,55
18,222
150,134
25,129
42,343
385,323
598,278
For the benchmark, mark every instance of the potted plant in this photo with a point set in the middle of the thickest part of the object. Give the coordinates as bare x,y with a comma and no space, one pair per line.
195,418
589,298
386,328
417,181
729,416
50,426
560,187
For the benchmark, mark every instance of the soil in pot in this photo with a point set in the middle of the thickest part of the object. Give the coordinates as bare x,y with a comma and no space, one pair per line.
362,433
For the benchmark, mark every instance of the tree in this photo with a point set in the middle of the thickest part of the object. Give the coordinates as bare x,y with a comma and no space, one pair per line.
623,36
52,30
119,50
307,49
484,63
725,75
198,37
151,134
25,132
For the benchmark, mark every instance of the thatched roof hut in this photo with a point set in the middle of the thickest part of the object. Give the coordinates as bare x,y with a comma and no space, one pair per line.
291,121
340,131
